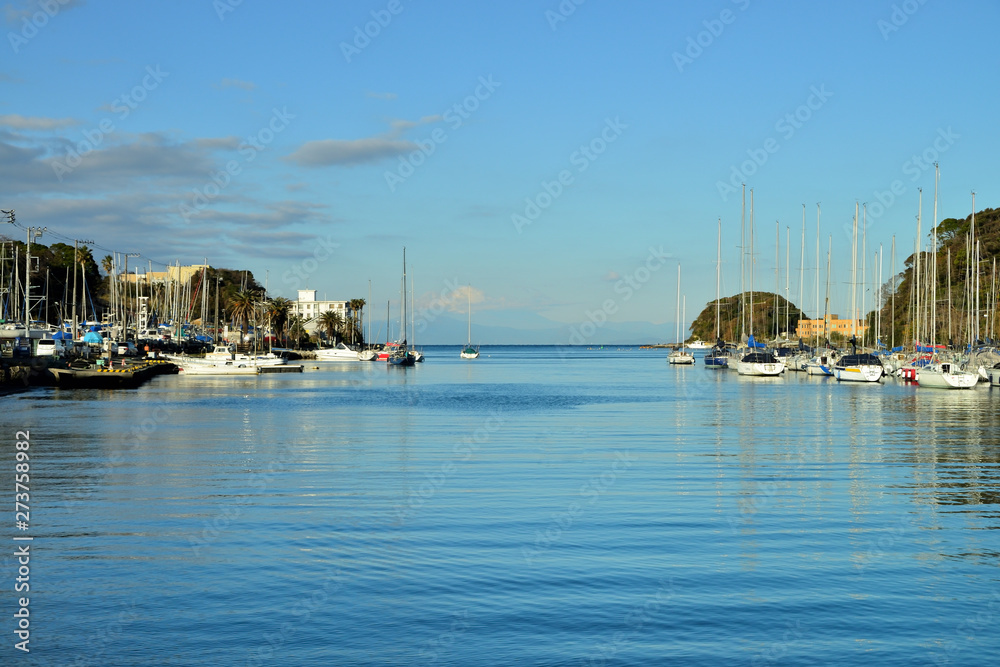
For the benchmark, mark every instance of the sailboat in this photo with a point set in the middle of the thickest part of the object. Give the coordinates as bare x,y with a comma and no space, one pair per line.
470,352
719,357
680,355
369,353
399,355
943,374
856,367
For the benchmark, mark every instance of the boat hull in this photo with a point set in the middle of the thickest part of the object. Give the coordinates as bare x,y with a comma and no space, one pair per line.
759,369
941,380
680,359
858,373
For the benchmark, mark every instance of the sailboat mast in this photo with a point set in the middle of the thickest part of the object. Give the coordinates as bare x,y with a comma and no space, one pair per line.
854,274
470,315
864,271
743,272
677,317
402,317
892,260
788,268
718,264
817,268
802,261
751,261
916,282
826,308
776,312
934,254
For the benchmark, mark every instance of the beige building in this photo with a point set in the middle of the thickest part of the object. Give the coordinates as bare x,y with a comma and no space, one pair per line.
171,275
833,324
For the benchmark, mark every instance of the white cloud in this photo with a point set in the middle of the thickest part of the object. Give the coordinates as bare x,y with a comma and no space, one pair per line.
35,123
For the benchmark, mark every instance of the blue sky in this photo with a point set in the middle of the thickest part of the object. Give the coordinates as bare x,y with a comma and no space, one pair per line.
340,151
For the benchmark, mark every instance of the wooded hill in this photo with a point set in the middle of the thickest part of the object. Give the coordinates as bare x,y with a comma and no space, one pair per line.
953,307
768,308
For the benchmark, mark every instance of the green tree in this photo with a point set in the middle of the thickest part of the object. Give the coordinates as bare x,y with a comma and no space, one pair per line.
331,322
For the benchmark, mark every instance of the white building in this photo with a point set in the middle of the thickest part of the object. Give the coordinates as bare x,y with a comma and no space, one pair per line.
310,308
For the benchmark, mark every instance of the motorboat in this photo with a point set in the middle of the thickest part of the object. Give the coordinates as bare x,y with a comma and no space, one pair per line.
339,352
219,368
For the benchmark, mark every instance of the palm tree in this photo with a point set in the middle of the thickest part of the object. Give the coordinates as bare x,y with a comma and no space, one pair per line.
331,323
108,264
241,309
277,314
356,306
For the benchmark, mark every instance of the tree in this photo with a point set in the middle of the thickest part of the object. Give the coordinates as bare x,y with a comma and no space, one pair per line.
277,314
331,322
356,307
241,309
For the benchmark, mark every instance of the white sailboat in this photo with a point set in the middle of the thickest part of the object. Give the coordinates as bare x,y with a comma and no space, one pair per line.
945,374
680,355
399,354
368,354
470,352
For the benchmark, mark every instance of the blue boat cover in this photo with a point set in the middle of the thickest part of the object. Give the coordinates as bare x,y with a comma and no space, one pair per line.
754,344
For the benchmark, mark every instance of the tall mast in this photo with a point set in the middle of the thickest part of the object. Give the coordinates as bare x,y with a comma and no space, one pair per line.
718,264
751,261
677,317
817,268
826,308
402,318
802,260
854,274
892,261
743,272
916,281
788,269
934,254
949,295
975,265
864,270
776,311
878,327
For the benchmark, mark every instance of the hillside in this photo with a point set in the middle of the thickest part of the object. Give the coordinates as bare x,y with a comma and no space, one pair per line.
951,310
767,307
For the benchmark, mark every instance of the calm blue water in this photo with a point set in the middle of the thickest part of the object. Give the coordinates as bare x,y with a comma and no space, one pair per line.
532,507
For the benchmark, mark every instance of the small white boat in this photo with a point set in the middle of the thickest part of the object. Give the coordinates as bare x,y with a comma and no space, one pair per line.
367,355
698,344
946,375
226,353
219,368
339,352
760,364
469,352
680,356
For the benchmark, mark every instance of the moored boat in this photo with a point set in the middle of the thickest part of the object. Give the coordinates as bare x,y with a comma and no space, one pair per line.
339,352
946,375
858,368
760,364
